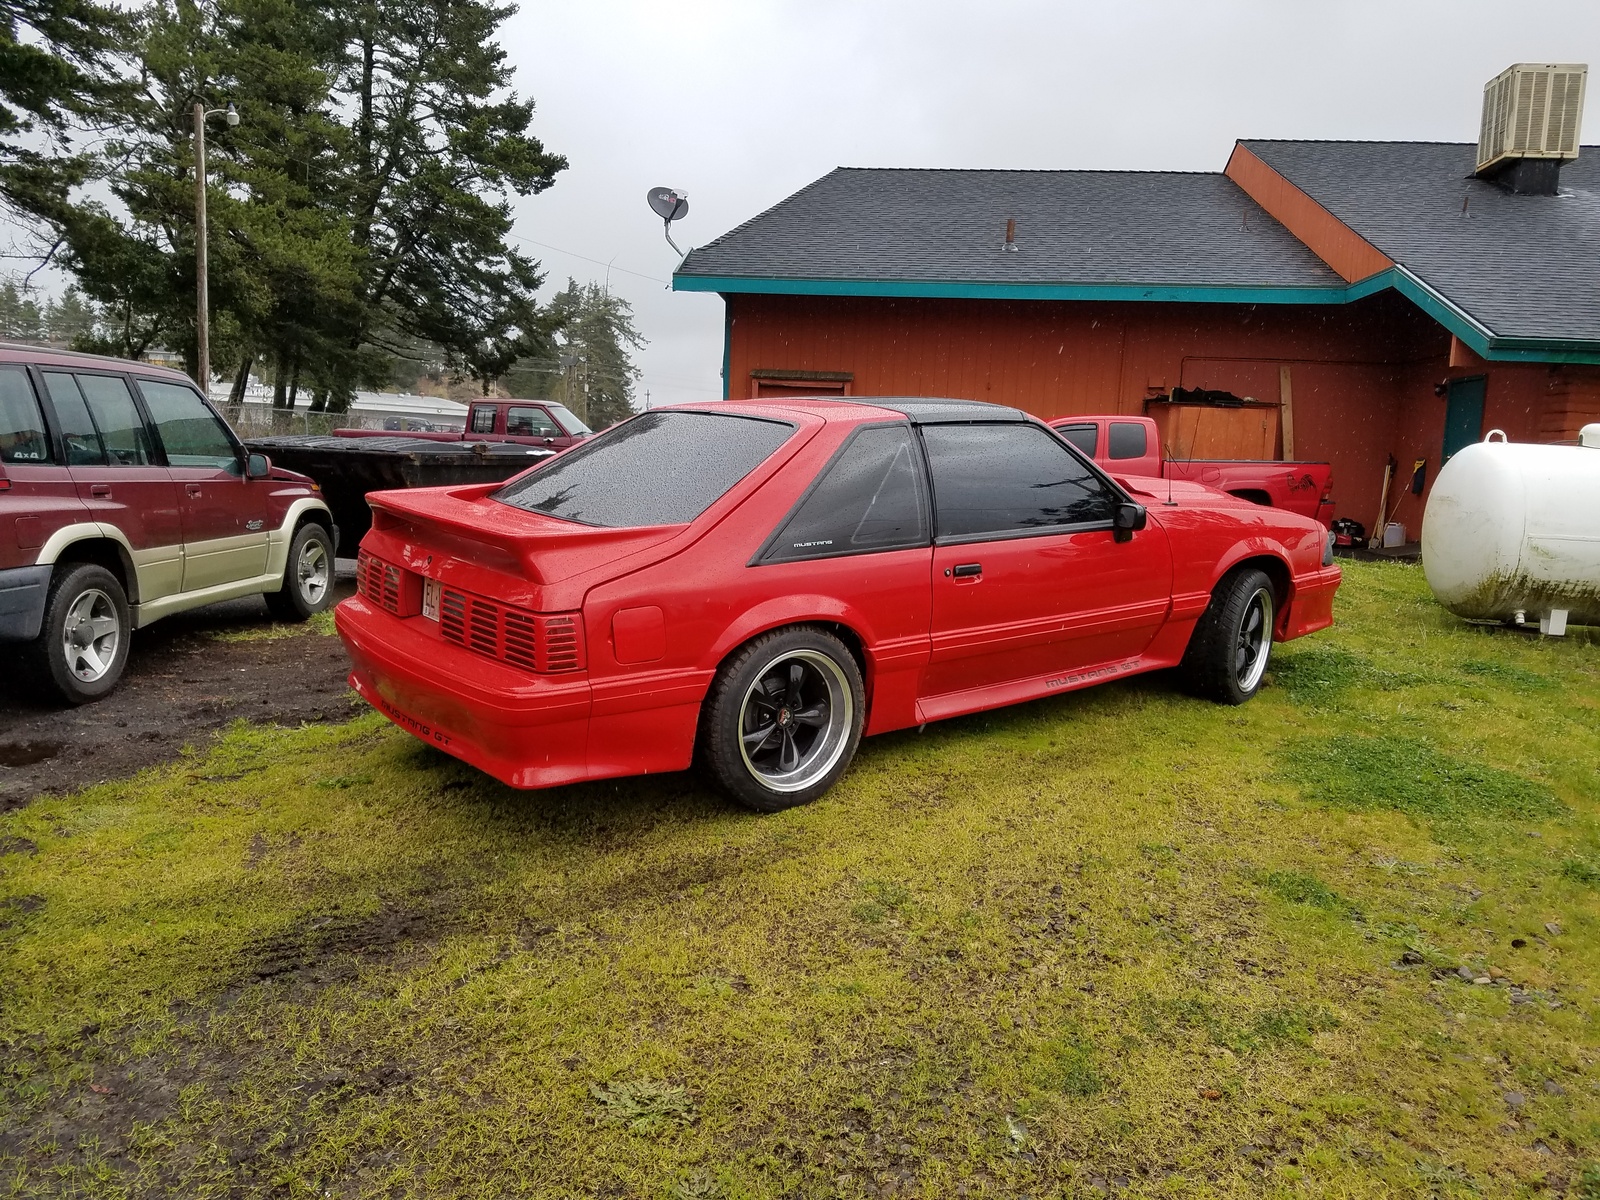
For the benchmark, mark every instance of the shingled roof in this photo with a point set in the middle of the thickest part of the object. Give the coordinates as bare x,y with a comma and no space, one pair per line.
888,227
1525,267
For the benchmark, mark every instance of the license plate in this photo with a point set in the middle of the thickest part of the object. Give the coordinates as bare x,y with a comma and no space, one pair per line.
430,599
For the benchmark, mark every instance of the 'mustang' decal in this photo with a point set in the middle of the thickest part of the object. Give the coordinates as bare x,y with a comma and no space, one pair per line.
1115,669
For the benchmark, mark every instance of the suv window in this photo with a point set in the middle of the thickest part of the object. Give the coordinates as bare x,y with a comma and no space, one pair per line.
122,429
1126,440
483,419
870,498
77,427
1081,436
22,435
191,434
662,468
530,422
1000,479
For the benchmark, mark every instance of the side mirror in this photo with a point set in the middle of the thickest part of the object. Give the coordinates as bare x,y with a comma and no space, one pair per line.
1128,520
257,466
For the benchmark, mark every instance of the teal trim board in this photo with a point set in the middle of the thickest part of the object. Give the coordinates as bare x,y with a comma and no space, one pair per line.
1479,338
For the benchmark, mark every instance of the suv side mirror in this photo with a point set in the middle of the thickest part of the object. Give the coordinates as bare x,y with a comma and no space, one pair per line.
1128,520
257,466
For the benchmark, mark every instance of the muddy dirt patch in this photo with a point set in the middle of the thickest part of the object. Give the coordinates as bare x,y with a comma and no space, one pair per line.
187,676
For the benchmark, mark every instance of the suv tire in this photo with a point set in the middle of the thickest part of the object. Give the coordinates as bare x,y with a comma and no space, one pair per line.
1228,651
307,576
783,719
82,645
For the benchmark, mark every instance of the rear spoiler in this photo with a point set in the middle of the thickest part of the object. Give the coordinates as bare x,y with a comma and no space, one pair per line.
540,548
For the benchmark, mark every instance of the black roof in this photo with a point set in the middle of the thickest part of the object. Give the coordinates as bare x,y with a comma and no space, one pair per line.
938,411
1085,227
1523,266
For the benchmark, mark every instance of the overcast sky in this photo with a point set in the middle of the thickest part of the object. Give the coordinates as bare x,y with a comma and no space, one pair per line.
740,103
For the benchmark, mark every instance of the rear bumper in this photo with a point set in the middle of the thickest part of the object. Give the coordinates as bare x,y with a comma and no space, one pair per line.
1311,607
23,591
528,731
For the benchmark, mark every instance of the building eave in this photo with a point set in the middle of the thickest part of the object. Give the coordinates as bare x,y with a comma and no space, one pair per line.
1480,338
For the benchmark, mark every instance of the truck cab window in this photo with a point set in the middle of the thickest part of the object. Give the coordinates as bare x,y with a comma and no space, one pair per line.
530,422
1081,436
1127,440
483,419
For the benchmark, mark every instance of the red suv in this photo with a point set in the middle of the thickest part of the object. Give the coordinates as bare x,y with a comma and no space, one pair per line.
124,497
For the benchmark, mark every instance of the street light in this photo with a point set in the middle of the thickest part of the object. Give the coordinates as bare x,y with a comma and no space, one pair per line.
202,291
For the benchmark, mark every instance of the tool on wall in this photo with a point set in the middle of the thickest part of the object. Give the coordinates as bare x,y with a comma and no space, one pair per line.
1383,505
1419,476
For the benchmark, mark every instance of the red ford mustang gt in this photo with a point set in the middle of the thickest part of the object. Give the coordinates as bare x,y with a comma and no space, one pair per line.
767,581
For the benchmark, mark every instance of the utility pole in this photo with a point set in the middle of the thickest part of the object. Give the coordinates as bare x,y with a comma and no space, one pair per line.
202,289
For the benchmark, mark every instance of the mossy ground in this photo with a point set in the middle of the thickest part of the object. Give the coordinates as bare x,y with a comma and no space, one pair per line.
1115,942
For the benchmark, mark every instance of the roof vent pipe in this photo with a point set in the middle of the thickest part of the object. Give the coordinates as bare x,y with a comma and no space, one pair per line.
1011,233
1532,115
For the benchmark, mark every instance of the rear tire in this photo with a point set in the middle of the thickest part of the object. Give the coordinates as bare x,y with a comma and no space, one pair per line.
82,645
783,719
307,576
1232,642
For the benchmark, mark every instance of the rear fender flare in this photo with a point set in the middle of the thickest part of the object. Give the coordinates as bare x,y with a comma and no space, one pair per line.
68,535
796,610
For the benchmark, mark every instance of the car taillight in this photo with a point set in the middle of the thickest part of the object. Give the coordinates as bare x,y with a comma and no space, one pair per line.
548,643
392,588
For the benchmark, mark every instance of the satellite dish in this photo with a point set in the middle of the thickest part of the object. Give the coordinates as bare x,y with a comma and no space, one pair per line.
669,204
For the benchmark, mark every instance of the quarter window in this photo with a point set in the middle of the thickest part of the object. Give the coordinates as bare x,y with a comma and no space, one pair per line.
22,435
1127,440
1002,479
483,419
191,434
77,427
870,498
530,422
662,468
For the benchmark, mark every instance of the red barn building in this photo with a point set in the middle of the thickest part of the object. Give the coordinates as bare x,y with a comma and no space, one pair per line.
1375,300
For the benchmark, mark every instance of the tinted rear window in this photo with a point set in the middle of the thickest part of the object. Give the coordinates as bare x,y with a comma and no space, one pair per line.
662,468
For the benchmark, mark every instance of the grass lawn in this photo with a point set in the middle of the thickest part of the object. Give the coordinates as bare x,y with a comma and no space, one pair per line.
1341,941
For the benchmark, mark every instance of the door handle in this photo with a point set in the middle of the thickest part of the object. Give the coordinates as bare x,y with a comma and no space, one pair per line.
193,489
967,570
101,490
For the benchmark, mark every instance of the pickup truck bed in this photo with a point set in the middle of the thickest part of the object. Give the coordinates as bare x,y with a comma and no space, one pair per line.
348,468
1131,446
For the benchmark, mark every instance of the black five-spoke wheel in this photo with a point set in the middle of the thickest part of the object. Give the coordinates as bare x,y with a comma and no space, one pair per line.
1232,642
784,718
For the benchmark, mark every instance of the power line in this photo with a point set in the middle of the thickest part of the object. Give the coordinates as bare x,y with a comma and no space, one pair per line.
596,261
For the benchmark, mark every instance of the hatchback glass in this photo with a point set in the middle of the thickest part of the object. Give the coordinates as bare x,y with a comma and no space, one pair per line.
662,468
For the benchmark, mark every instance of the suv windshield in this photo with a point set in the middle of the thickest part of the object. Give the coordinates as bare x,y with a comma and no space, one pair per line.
662,468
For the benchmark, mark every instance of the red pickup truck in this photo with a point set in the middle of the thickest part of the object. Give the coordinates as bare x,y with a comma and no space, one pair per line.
527,422
1132,446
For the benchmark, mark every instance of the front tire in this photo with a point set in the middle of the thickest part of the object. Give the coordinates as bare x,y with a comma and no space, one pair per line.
1232,642
82,645
307,576
783,719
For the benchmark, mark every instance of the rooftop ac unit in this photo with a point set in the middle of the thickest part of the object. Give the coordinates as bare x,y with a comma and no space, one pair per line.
1532,110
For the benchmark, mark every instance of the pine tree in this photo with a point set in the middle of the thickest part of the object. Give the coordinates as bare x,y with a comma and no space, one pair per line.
597,330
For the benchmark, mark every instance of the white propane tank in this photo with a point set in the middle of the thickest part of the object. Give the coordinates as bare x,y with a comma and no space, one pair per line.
1512,530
